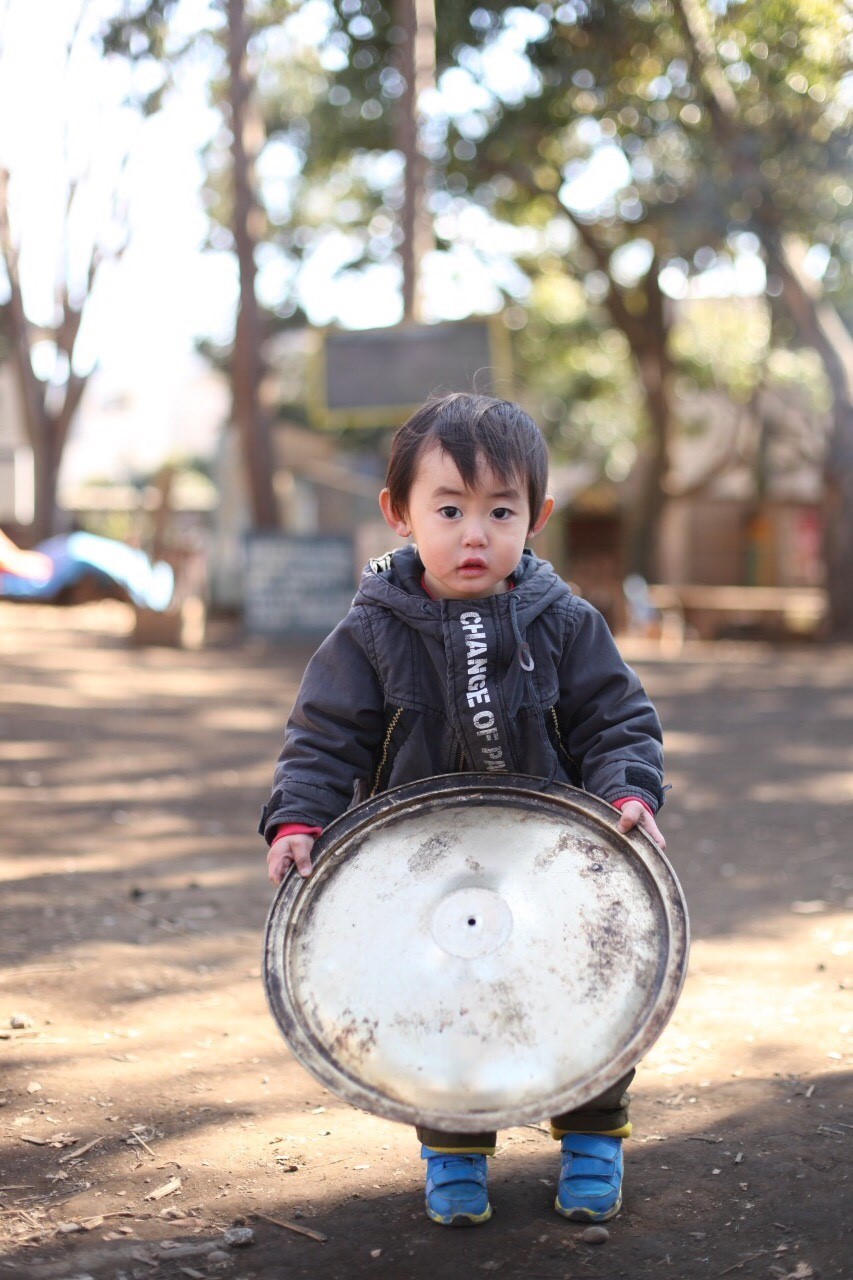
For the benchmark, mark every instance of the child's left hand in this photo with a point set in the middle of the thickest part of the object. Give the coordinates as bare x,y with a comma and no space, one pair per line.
635,814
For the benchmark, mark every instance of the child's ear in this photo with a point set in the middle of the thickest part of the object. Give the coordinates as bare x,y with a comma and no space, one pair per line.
544,515
392,517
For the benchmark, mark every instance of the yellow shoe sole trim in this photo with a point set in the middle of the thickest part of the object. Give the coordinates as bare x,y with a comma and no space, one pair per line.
587,1215
460,1219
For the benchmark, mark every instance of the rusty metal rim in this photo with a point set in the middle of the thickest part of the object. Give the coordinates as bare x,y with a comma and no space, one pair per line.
341,838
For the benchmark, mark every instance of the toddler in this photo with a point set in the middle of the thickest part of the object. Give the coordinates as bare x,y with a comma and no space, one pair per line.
466,620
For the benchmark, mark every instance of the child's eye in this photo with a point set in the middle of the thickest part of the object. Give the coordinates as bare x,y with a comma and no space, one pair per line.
449,513
503,513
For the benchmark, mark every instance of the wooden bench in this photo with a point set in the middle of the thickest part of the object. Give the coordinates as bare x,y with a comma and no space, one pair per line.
796,610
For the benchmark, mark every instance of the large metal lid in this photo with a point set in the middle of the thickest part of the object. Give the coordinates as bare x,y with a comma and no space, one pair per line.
473,952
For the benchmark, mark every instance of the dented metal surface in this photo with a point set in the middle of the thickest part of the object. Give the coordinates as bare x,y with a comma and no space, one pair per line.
473,952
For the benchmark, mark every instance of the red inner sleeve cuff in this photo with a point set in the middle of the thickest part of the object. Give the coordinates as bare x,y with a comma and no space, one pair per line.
296,829
620,804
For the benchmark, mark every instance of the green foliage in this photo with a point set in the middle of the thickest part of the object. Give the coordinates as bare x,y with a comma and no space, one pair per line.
723,127
141,35
723,344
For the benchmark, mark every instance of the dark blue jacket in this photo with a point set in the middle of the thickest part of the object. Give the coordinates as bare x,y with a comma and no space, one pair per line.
407,688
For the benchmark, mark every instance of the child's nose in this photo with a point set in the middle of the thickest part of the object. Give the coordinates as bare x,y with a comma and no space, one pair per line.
475,534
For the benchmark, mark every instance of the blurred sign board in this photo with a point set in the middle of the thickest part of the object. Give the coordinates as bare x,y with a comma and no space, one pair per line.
378,377
297,586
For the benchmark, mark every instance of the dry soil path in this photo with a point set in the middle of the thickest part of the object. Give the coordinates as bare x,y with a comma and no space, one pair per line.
148,1104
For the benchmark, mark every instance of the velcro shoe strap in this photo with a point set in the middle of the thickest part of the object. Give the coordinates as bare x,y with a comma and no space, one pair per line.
582,1167
590,1147
456,1170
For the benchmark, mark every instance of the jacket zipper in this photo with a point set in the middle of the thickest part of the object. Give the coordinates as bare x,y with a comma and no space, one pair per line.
385,745
560,742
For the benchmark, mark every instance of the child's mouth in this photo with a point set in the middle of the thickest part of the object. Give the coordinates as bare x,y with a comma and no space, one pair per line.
472,566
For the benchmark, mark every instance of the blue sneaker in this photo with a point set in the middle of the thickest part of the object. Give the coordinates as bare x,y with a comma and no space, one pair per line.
590,1186
456,1191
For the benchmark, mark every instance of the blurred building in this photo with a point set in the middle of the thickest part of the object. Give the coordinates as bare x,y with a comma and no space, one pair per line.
746,506
321,488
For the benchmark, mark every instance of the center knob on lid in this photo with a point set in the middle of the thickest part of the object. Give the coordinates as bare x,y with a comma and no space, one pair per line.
471,922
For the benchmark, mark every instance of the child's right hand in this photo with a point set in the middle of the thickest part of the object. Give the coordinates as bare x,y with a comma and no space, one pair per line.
287,851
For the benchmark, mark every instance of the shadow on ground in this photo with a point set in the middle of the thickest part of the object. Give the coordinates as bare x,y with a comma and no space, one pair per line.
134,900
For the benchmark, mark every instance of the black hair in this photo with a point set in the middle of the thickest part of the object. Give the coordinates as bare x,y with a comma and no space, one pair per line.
472,430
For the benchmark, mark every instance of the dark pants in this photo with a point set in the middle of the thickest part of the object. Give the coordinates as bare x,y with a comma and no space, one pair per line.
606,1114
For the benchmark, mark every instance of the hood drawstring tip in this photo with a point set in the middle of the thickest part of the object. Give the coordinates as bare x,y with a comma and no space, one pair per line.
525,657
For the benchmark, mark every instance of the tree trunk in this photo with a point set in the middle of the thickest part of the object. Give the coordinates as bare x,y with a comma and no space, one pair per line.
246,362
820,327
643,518
39,427
46,431
648,335
417,67
46,463
838,535
647,332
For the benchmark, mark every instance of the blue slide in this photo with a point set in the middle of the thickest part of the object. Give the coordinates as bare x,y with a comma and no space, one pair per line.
76,556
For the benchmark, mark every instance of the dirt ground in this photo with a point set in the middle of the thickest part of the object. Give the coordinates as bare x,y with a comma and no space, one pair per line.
149,1104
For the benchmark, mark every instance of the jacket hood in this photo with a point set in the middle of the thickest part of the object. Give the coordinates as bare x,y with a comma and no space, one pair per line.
394,582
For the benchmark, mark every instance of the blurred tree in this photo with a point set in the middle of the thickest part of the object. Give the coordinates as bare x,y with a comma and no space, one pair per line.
654,141
142,34
246,369
704,140
591,162
42,339
797,191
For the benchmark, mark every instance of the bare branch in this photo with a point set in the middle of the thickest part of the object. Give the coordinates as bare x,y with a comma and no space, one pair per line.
74,390
31,389
615,301
721,99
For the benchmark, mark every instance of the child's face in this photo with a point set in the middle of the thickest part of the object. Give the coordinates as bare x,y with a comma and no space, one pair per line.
470,540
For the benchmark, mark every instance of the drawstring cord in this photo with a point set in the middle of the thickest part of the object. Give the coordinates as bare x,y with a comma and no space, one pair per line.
525,661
